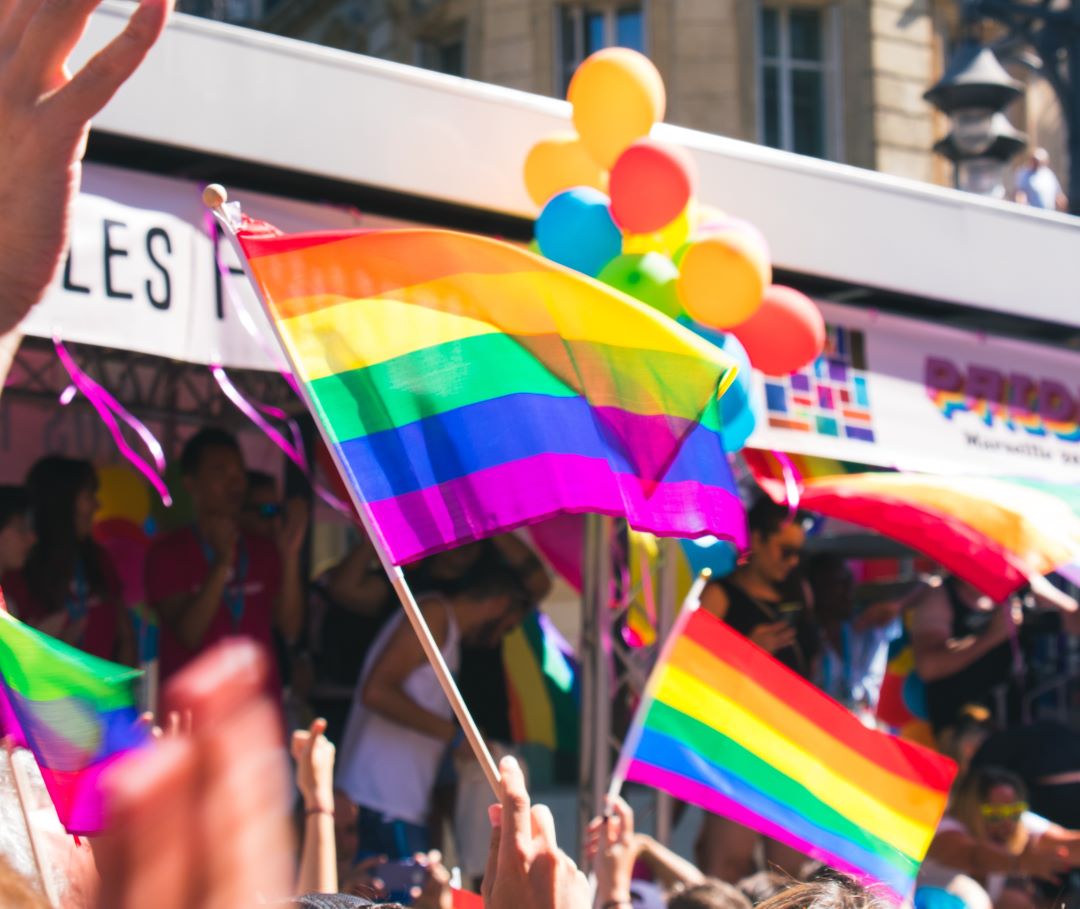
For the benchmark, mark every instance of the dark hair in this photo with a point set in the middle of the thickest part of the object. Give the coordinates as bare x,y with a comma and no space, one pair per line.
334,901
712,894
54,483
836,892
196,447
14,501
766,517
499,580
763,885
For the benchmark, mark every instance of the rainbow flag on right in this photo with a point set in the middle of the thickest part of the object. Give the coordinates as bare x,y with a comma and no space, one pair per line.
725,726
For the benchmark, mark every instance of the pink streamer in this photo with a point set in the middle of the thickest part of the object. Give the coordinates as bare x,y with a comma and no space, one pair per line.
257,412
792,482
108,408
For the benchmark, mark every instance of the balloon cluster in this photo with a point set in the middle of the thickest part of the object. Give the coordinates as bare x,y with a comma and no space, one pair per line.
621,207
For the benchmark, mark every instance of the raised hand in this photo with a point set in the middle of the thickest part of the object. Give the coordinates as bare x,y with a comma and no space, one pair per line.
526,869
611,844
293,527
202,820
314,756
44,119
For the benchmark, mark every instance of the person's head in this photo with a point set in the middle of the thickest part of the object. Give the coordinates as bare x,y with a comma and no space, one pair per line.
833,585
334,901
1039,158
262,505
16,531
989,802
63,496
491,607
213,470
965,737
833,892
776,540
454,563
712,894
763,885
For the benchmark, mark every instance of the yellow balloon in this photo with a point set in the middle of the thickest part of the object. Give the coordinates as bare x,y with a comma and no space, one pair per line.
722,277
560,162
122,493
618,95
668,240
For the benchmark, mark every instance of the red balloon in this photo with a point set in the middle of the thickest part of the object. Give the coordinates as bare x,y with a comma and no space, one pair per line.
785,334
650,186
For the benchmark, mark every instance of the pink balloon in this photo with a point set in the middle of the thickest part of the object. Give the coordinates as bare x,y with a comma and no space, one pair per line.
785,334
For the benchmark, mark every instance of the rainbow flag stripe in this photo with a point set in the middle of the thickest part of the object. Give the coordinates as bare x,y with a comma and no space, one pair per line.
75,712
725,726
470,387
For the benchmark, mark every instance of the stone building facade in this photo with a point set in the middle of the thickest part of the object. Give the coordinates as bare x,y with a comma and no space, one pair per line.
838,79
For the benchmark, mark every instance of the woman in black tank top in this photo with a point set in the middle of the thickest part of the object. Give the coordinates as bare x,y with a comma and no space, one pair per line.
763,599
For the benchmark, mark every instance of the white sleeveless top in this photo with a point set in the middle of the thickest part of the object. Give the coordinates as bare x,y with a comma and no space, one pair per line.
387,767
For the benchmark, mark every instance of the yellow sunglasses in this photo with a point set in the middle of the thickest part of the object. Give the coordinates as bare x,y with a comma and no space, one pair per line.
1009,811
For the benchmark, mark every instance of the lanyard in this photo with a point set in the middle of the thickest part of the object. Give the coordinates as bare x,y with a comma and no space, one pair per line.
76,603
234,587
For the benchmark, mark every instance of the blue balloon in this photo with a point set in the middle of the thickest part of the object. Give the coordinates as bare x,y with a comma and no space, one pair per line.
708,552
736,412
576,229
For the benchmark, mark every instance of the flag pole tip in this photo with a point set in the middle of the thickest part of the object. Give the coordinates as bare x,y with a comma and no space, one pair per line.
214,196
706,573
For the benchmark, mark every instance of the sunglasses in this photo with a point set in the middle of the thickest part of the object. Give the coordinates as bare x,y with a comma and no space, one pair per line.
1007,812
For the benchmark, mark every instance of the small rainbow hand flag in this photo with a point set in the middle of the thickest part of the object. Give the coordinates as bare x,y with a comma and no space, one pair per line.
725,726
469,387
75,712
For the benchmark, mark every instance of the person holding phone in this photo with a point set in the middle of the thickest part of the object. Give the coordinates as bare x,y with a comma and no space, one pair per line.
764,600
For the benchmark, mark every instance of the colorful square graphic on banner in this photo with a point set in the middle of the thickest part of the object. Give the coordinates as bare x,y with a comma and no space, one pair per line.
830,396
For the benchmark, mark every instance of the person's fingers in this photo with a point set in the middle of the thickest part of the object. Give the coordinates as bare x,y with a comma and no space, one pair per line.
91,88
594,826
318,727
621,810
243,810
48,38
223,680
516,817
486,885
544,825
300,740
14,16
172,723
143,861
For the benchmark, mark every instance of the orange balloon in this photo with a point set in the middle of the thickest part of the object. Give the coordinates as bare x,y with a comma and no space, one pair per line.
722,276
560,162
785,334
618,95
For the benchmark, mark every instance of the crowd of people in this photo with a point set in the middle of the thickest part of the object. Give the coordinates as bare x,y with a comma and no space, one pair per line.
201,818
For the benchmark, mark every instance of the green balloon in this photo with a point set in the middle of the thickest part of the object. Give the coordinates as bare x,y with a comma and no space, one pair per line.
649,278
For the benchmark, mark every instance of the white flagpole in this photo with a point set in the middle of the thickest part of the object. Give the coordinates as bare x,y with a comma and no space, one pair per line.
215,198
633,735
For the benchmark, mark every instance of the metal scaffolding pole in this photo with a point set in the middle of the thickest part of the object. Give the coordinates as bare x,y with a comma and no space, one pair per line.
666,610
595,671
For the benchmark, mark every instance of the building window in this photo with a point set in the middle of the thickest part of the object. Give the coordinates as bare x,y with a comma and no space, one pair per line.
798,103
587,27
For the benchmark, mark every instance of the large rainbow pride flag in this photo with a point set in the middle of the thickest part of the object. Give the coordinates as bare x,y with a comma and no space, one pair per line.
469,387
76,713
725,726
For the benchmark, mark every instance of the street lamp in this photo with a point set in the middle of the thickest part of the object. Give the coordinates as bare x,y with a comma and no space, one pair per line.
973,93
1050,30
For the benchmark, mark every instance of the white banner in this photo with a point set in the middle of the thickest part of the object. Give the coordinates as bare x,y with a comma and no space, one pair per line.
900,393
141,274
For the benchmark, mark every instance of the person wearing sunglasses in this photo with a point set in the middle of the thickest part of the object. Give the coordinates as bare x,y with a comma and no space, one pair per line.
989,836
763,599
